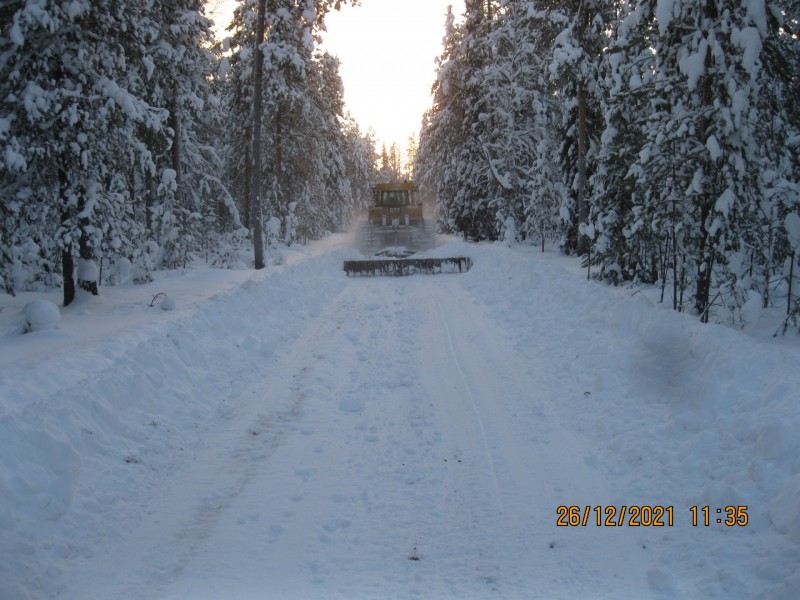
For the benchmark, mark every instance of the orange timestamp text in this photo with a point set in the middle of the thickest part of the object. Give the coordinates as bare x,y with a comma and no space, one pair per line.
647,516
615,516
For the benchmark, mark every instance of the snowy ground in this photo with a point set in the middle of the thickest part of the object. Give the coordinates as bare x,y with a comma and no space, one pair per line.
295,434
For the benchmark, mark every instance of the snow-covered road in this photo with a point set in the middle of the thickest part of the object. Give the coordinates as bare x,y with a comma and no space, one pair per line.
306,435
399,448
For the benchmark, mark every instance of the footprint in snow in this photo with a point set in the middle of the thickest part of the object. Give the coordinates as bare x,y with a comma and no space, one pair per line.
305,474
352,405
332,526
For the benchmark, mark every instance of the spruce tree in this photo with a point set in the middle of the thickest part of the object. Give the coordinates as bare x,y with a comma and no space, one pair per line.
441,134
582,33
74,121
701,139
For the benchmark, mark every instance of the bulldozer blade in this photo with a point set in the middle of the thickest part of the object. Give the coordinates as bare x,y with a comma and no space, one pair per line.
397,267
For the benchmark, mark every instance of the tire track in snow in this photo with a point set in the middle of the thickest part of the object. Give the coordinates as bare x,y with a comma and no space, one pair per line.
537,462
467,540
359,488
406,457
469,393
179,524
382,494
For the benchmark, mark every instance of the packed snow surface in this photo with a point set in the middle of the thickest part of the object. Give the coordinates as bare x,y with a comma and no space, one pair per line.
293,433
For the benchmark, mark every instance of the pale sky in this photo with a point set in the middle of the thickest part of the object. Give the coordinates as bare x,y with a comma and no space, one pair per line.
387,50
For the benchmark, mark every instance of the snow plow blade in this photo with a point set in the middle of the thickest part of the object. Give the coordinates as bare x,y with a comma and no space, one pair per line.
398,267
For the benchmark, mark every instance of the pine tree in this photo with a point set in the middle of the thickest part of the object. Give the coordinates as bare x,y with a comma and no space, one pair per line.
527,180
412,149
441,134
582,31
325,201
389,169
235,56
701,137
73,121
184,77
767,243
481,195
628,243
120,91
360,159
487,144
298,162
456,151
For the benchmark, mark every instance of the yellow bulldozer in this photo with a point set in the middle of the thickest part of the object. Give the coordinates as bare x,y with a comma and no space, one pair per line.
395,222
394,230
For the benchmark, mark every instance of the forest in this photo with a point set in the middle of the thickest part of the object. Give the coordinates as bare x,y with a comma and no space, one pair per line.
656,139
128,138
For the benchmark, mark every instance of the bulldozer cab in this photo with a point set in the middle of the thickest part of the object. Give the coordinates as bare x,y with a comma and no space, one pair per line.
394,195
394,198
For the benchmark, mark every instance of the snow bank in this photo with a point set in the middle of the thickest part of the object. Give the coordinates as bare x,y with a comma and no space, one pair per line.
92,419
681,413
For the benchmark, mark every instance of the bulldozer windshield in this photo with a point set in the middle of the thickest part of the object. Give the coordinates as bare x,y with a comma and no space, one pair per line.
394,198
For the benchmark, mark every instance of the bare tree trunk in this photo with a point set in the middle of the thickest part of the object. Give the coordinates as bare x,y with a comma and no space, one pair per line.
67,263
705,254
87,269
674,237
278,164
175,124
768,266
248,182
67,273
258,101
791,279
149,201
582,208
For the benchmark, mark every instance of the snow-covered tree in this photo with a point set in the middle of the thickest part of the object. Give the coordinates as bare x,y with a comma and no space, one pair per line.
627,239
109,143
455,156
441,132
181,80
696,169
317,158
390,167
300,171
525,118
360,159
580,31
767,236
72,127
487,146
699,168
